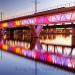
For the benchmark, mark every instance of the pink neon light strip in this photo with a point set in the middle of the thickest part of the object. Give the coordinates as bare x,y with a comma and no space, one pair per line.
47,19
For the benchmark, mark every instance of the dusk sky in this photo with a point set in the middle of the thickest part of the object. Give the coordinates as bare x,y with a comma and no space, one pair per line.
18,7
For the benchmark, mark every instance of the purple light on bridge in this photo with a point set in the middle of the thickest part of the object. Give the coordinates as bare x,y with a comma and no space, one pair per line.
40,20
23,22
56,18
11,23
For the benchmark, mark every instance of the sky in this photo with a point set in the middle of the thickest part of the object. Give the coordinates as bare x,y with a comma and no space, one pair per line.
12,8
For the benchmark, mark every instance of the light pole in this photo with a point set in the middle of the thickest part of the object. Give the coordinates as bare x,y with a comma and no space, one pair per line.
35,6
1,15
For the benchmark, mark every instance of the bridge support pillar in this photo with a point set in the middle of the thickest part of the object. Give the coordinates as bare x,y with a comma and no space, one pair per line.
35,33
35,30
2,35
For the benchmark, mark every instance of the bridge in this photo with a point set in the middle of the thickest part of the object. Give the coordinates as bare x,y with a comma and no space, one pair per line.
57,18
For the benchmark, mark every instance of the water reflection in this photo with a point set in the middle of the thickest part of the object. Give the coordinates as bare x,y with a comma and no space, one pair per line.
51,36
35,44
58,36
50,42
58,39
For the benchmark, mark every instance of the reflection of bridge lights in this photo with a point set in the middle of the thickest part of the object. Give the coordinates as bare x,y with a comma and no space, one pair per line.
73,52
4,47
0,46
67,51
28,53
51,49
23,52
48,57
42,56
27,46
10,48
56,59
58,49
60,40
38,53
18,51
73,62
34,54
65,61
69,63
44,48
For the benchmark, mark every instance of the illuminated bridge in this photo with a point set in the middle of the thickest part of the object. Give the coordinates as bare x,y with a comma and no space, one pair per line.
48,37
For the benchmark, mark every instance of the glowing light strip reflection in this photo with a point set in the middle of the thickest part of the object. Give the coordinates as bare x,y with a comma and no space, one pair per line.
45,57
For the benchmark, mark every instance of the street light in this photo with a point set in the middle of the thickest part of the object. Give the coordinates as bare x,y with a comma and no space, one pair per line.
35,5
1,15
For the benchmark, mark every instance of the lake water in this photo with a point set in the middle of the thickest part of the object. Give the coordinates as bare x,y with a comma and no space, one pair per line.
15,65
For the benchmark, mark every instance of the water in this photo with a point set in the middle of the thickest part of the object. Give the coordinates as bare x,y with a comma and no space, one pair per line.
14,65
